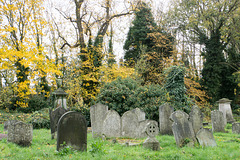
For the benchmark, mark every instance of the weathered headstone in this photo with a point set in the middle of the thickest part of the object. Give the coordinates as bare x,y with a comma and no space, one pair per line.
112,124
98,114
225,107
54,118
20,133
8,123
205,138
130,125
182,129
151,142
236,128
140,114
72,131
217,121
196,119
165,124
143,126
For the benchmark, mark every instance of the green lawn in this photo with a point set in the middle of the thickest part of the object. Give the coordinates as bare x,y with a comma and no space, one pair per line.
44,148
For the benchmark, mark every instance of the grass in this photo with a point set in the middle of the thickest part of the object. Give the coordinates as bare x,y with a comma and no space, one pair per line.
44,148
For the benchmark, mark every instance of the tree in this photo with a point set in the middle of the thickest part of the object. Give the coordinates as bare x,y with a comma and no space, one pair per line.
209,22
138,34
23,53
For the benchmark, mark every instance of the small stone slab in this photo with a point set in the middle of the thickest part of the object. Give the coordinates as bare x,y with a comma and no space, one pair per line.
72,131
218,122
112,124
165,124
20,133
182,129
98,114
196,119
205,138
236,128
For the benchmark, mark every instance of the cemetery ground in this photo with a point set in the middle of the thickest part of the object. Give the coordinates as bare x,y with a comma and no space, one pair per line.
43,147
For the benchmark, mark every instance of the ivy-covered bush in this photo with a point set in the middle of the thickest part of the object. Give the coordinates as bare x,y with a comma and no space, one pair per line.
40,119
122,95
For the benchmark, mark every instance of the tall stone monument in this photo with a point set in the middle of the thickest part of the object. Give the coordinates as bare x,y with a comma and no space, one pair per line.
225,106
165,124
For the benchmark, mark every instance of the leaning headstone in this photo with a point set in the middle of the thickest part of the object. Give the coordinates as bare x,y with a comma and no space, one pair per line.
236,128
130,125
8,123
196,119
182,129
98,113
205,138
54,118
151,142
142,127
72,131
20,133
217,121
225,107
165,124
140,114
112,124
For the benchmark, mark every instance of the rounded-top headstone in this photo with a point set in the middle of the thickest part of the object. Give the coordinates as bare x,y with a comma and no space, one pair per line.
152,129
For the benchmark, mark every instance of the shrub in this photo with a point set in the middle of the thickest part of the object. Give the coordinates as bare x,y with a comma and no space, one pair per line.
40,119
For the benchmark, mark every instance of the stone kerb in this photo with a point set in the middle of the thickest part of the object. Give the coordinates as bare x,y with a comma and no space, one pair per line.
54,118
165,124
20,133
218,122
130,125
205,138
225,107
98,114
112,124
196,119
72,131
182,129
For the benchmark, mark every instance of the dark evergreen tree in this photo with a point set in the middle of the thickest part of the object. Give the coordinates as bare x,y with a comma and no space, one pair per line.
143,24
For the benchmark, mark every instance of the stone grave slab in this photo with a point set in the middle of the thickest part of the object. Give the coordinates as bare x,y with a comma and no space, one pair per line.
182,129
112,124
130,125
165,124
205,138
236,128
196,119
54,118
218,122
72,131
20,133
98,114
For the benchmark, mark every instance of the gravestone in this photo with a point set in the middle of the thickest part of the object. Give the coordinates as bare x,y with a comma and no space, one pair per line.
225,107
112,124
140,114
196,119
72,131
98,113
205,138
130,125
182,129
8,123
236,128
142,127
151,142
20,133
218,122
54,118
165,124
